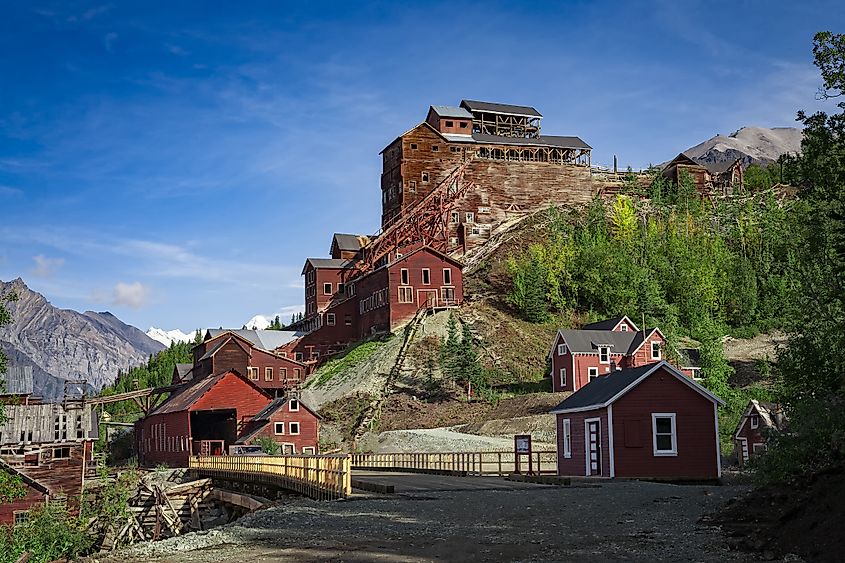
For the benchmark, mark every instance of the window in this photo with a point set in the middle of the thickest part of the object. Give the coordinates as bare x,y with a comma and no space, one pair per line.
413,146
252,373
293,428
434,148
655,350
347,320
297,373
758,448
592,373
293,405
21,517
288,449
351,290
463,124
470,217
327,288
426,276
561,349
455,149
298,356
268,374
340,288
623,328
567,438
424,177
447,276
405,277
696,374
412,186
755,421
406,295
279,428
455,217
483,210
604,354
447,294
450,124
61,453
563,377
664,439
283,374
330,319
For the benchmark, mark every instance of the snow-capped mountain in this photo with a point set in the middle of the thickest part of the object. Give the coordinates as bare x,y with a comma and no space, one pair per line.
168,337
258,322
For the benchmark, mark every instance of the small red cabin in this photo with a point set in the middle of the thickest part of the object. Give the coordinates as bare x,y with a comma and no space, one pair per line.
290,423
751,433
649,422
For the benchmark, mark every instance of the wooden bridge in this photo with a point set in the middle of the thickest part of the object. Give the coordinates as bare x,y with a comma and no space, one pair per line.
320,477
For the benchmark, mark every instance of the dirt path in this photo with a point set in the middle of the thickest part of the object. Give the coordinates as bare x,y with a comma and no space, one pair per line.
628,521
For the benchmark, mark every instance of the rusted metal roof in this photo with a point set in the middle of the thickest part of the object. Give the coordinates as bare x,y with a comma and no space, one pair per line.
183,398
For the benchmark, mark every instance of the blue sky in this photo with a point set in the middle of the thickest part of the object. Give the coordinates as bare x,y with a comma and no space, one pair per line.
175,162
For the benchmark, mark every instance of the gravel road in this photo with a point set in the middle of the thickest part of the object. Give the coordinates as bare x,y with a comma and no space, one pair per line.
621,521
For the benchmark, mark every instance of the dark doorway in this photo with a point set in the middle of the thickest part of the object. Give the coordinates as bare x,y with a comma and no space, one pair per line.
215,425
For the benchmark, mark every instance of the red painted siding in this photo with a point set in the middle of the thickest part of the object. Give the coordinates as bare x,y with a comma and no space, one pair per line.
752,435
309,429
643,355
7,509
695,422
577,464
164,439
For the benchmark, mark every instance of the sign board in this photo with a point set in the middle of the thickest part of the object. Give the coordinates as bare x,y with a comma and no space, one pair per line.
522,447
522,444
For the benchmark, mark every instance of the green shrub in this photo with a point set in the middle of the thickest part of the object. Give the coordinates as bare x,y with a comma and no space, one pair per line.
49,534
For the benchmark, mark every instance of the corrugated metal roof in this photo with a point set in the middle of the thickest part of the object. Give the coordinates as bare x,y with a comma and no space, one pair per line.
542,141
493,107
456,138
266,339
452,111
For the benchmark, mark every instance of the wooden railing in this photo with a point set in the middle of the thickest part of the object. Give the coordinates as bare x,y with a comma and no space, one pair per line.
320,477
470,463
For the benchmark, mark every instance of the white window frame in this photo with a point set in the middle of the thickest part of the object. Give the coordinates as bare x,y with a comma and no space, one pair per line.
757,447
607,354
426,276
293,405
562,377
406,294
447,276
309,450
755,421
250,370
290,428
329,286
469,217
276,427
567,438
623,328
404,277
330,319
653,343
592,373
561,349
664,453
268,373
455,217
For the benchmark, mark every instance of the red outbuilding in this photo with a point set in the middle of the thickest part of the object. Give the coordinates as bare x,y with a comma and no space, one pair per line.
759,420
650,422
290,423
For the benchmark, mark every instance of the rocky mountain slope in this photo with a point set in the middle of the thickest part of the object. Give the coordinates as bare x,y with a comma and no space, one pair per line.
62,344
754,145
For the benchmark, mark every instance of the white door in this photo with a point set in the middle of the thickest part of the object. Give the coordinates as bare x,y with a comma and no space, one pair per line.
744,442
593,443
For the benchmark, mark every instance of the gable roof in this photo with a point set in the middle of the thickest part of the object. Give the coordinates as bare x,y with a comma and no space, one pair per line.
721,167
493,107
222,342
607,389
329,263
451,111
183,398
588,341
434,251
348,242
267,340
682,158
609,324
771,415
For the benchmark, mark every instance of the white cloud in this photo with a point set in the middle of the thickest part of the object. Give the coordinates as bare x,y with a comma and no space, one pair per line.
133,295
10,191
46,267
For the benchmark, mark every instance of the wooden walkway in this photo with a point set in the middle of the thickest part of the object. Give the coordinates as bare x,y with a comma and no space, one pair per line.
320,477
459,463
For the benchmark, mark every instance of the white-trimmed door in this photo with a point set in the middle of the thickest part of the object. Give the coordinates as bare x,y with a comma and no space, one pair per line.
592,443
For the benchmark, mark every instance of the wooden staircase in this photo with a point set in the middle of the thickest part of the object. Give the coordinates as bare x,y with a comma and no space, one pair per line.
374,409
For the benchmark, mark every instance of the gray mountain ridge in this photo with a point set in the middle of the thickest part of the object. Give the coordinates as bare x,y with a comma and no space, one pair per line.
63,344
754,145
